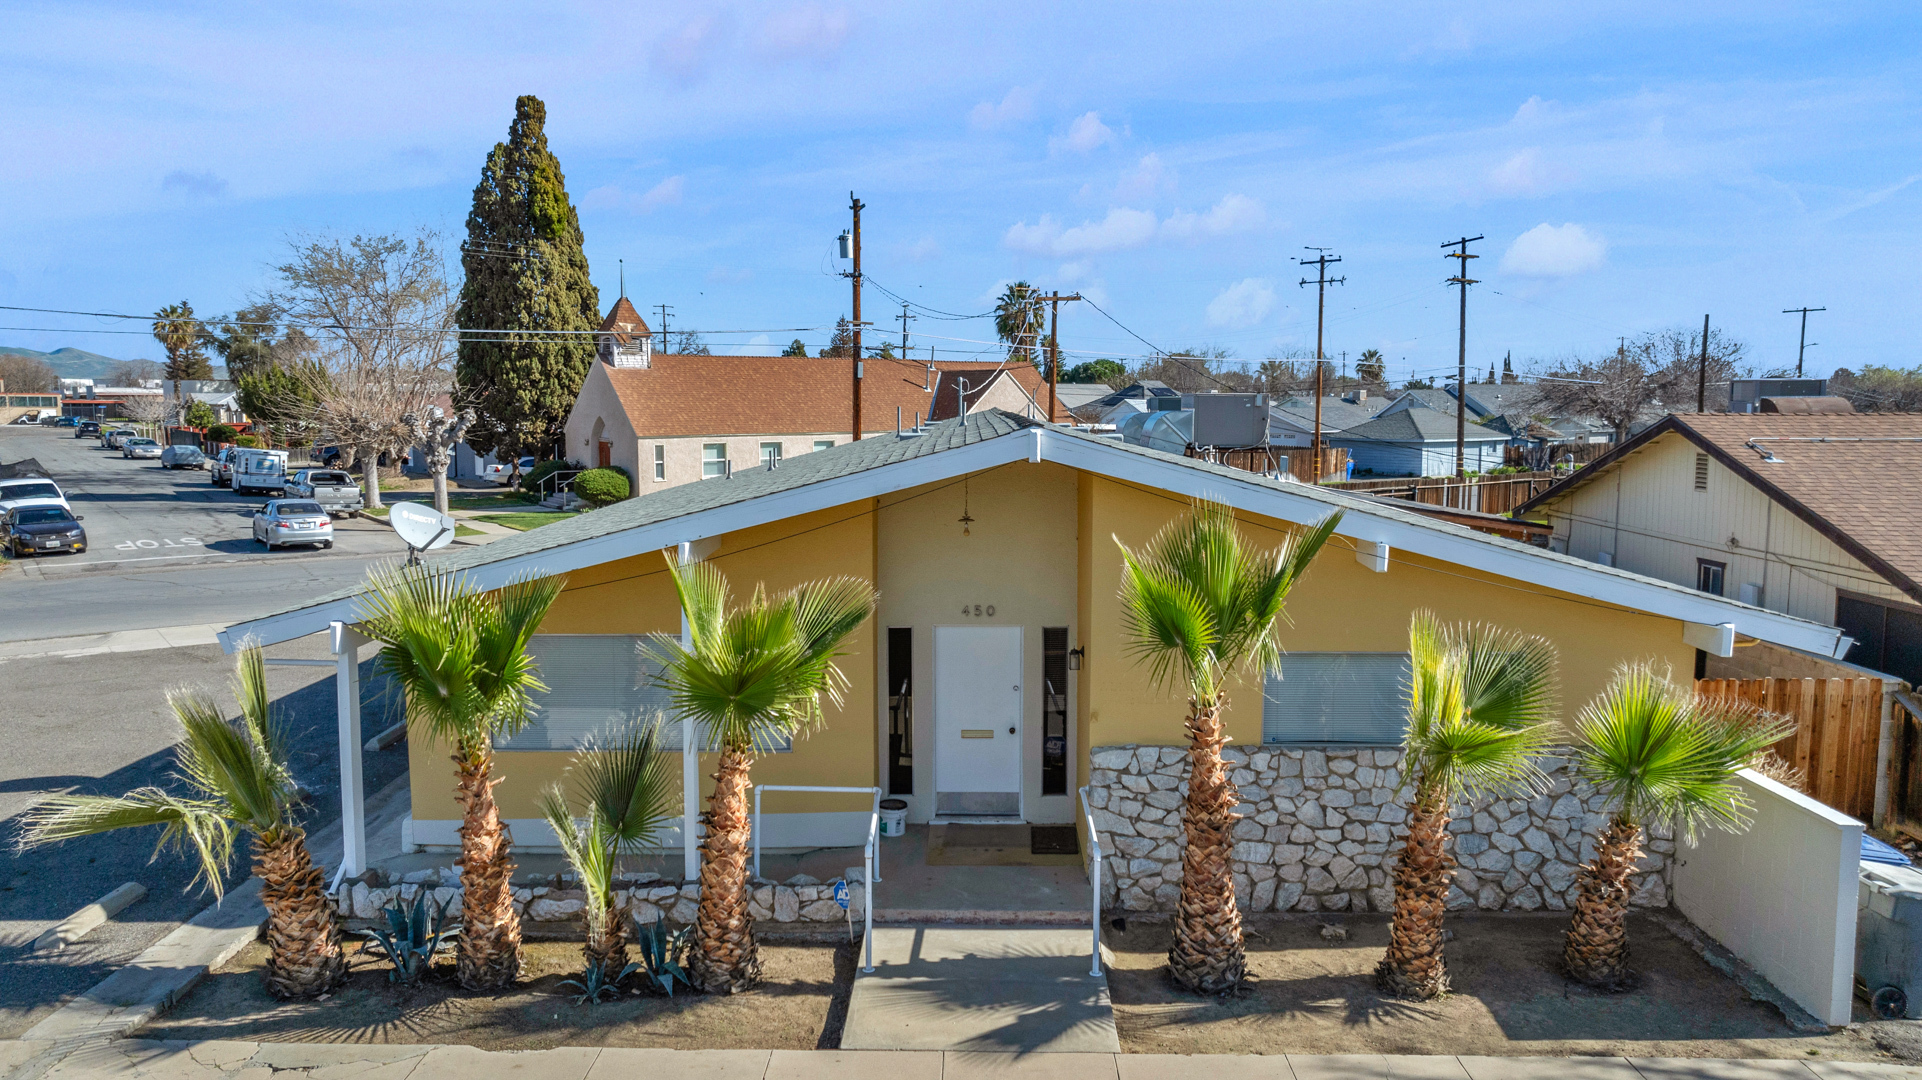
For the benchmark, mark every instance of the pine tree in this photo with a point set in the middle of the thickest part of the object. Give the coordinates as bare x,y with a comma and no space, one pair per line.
842,344
1508,369
526,277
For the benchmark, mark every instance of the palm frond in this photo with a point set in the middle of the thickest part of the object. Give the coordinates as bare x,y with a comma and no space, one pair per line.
1480,708
586,846
223,762
199,826
630,783
1662,753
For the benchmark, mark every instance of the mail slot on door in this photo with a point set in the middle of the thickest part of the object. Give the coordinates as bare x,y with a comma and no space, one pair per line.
977,733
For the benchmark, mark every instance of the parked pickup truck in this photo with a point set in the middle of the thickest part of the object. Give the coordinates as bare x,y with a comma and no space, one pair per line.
334,490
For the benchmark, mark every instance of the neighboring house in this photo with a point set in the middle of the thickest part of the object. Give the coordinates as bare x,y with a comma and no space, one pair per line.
1077,397
668,419
1117,405
1292,419
1811,516
996,677
222,395
1418,441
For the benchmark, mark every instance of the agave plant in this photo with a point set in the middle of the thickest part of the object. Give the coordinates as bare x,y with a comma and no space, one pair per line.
664,954
626,789
1480,708
460,657
1661,754
237,779
1201,607
754,677
415,934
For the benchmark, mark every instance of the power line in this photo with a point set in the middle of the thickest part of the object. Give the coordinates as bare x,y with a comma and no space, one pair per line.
1462,279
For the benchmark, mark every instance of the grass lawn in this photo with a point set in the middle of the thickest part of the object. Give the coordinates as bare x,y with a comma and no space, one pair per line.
523,522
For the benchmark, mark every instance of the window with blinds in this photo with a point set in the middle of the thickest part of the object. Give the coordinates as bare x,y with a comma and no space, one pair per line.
597,685
1336,699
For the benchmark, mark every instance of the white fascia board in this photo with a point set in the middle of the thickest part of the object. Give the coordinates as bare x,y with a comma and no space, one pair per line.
1445,543
838,491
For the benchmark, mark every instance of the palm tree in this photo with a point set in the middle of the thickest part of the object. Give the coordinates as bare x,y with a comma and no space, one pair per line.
183,336
1369,367
237,778
460,656
1480,702
1660,754
1018,320
754,677
1201,607
627,790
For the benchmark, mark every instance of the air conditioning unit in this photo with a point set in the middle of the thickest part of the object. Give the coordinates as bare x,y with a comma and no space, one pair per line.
1229,419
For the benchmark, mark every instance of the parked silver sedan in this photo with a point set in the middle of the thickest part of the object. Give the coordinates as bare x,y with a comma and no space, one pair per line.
139,448
293,521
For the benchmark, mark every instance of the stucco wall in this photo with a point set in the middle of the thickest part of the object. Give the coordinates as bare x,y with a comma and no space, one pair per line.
1647,513
599,405
1321,831
682,456
1018,559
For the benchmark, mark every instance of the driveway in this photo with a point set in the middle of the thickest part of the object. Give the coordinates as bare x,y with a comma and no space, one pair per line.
164,548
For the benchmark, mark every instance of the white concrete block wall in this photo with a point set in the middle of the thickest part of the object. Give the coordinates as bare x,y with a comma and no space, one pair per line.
1782,895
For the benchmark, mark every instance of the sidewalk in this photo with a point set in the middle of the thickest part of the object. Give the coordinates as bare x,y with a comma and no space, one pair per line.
136,1059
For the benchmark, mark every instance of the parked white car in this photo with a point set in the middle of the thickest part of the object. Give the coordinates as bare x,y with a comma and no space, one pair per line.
293,521
499,472
31,491
183,456
139,448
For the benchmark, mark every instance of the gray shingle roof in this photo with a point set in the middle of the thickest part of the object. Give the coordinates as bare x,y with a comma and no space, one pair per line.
1418,425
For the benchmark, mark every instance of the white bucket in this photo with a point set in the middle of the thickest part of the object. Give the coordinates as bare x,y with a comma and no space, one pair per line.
894,817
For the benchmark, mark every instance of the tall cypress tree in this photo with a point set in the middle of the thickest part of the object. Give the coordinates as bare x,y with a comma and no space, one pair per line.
525,273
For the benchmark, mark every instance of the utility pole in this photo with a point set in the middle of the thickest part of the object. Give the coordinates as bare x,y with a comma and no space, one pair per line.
905,319
1462,279
1322,281
1701,374
1055,300
663,309
856,205
1804,347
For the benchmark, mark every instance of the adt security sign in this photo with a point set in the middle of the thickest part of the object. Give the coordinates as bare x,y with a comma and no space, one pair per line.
841,894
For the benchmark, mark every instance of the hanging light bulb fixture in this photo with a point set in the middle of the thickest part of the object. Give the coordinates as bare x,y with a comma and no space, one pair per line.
967,520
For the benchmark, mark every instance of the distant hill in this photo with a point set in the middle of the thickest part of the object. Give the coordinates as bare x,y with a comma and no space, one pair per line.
78,363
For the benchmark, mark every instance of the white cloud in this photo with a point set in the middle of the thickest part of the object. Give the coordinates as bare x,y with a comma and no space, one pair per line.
1233,214
612,197
1085,134
1526,173
1016,106
1147,179
1242,304
1121,229
1554,251
666,193
686,55
805,33
204,185
760,345
924,249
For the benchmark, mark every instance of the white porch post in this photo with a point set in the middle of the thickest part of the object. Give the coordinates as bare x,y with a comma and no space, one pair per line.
346,644
690,764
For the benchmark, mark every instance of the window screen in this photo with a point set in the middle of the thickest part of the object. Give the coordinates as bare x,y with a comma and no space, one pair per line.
1339,699
596,685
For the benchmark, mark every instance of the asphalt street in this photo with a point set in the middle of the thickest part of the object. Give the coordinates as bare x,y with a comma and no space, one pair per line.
164,548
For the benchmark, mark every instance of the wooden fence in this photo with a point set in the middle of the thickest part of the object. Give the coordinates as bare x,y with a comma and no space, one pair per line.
1297,461
1838,724
1905,766
1484,494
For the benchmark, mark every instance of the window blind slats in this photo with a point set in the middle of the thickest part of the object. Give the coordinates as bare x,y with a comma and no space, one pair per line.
1338,699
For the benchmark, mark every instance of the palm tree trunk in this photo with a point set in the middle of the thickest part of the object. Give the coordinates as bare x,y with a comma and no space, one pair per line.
1596,948
725,959
606,946
1413,967
489,954
1207,956
303,930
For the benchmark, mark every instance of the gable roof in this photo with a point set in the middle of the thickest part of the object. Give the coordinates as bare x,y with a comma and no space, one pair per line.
679,396
887,463
1418,425
624,322
1849,477
980,376
1336,414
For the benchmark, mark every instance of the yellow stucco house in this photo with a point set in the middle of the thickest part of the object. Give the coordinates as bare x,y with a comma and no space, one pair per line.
994,681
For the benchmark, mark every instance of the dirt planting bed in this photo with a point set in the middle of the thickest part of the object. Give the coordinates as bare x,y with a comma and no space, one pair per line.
1313,995
802,1006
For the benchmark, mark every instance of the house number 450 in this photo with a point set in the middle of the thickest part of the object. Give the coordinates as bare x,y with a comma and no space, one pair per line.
977,611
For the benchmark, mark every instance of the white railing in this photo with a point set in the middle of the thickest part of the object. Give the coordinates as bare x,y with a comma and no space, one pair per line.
1094,851
870,851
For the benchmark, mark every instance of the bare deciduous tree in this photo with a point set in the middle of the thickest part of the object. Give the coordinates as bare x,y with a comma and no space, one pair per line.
1659,372
145,409
386,346
27,374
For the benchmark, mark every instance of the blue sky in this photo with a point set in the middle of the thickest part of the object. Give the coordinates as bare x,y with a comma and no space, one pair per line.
1633,165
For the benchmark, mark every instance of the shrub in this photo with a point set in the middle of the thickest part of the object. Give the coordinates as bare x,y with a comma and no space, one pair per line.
222,433
249,441
603,486
531,479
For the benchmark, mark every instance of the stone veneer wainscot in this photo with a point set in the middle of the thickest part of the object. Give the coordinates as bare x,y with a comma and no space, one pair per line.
1321,829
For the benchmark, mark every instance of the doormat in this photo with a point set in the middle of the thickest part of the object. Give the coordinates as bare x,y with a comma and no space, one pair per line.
991,845
1055,840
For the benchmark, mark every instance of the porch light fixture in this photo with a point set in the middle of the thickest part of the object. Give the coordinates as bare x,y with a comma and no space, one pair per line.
967,519
1074,657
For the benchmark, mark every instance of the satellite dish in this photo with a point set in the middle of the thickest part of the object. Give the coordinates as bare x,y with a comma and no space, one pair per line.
421,528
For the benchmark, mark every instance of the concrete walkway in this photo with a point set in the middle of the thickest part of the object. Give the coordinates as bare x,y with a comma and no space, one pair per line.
1025,990
136,1059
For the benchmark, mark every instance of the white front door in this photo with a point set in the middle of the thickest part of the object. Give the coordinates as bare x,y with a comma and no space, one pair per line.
977,720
